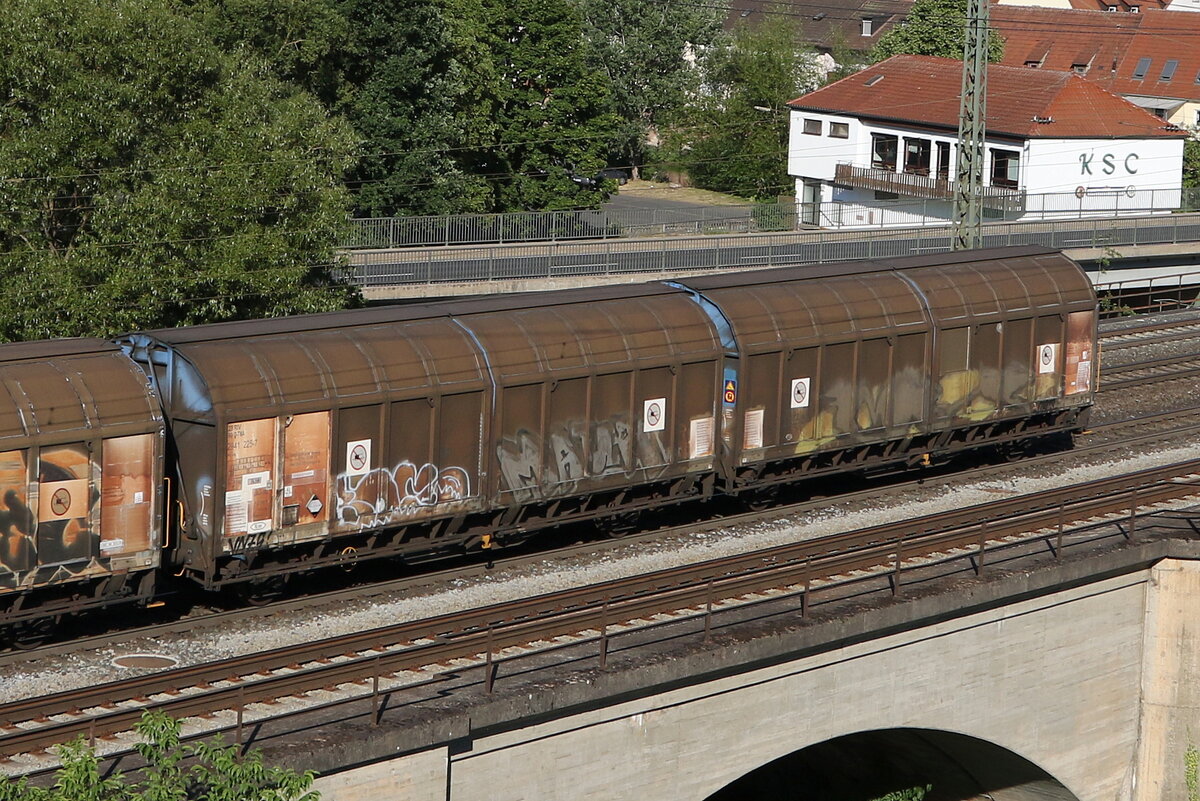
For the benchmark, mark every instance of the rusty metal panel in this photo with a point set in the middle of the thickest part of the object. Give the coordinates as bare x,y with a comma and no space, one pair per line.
65,530
305,498
578,337
807,311
307,368
80,439
128,479
1003,288
250,478
1081,354
1017,361
18,549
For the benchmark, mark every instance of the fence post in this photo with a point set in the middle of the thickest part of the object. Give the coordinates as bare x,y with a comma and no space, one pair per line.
604,635
708,605
375,694
489,677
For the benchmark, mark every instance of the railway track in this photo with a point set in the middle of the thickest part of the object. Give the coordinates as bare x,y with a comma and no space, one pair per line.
421,640
1150,371
1125,376
1143,431
1150,334
802,569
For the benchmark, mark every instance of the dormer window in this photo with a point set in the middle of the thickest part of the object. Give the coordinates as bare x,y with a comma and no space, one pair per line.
868,26
1134,9
1113,8
1080,69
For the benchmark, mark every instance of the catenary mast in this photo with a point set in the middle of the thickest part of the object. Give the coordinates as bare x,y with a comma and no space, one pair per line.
968,187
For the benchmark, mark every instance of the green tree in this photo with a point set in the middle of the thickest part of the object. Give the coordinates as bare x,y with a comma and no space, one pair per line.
1191,161
414,87
933,28
737,133
647,49
173,772
552,112
153,178
300,40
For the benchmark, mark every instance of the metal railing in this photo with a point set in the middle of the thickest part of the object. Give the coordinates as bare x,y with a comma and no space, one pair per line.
562,226
698,254
923,186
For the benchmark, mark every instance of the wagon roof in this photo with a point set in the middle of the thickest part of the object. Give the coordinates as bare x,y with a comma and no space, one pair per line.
71,388
400,313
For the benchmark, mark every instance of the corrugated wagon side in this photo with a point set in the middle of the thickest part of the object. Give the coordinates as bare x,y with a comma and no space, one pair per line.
893,363
81,482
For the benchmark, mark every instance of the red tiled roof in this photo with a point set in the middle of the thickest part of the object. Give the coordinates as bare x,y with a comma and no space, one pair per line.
1116,42
1026,103
1062,39
1163,36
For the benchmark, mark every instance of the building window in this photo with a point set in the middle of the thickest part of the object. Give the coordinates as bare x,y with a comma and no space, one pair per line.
1006,168
812,127
1161,113
1080,69
868,26
943,162
1113,8
839,130
1169,69
1134,9
883,151
1143,66
882,195
917,153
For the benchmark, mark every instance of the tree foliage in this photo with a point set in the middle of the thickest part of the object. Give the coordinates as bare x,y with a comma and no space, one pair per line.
647,49
552,112
737,133
153,178
173,772
1191,161
934,28
414,84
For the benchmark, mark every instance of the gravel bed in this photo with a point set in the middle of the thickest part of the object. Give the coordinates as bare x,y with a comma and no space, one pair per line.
77,670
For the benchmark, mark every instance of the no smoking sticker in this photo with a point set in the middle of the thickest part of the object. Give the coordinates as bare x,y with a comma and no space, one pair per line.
60,501
358,457
654,414
800,396
1047,358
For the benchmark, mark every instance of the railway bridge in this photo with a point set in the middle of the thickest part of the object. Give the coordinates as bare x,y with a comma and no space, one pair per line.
1050,678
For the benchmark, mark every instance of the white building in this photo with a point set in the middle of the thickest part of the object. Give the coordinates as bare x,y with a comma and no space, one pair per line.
879,148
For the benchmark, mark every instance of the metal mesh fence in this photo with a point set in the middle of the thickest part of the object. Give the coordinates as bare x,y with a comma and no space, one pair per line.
563,226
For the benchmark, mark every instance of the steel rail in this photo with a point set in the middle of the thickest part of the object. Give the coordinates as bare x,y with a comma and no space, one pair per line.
461,635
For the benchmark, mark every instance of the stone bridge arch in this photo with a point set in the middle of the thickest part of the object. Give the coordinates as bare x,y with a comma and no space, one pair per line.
908,763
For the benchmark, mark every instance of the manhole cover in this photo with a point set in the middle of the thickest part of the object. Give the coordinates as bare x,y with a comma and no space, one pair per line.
145,661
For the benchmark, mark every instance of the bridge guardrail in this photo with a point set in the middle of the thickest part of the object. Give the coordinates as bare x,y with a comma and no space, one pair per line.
695,254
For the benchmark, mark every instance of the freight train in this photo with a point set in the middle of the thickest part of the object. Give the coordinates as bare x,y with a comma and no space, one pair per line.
234,455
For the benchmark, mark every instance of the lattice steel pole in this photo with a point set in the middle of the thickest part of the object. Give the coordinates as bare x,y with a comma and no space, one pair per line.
968,186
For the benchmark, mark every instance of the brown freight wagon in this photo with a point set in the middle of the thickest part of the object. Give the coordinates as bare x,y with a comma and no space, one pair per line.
423,430
81,482
427,429
905,360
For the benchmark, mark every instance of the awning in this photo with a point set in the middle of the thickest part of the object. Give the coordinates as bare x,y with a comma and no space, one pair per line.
1166,103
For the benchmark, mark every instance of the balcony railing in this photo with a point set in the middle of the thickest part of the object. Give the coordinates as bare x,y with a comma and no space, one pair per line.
912,185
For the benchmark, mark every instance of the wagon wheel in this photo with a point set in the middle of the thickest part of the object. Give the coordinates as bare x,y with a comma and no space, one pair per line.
32,633
762,499
263,591
621,524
